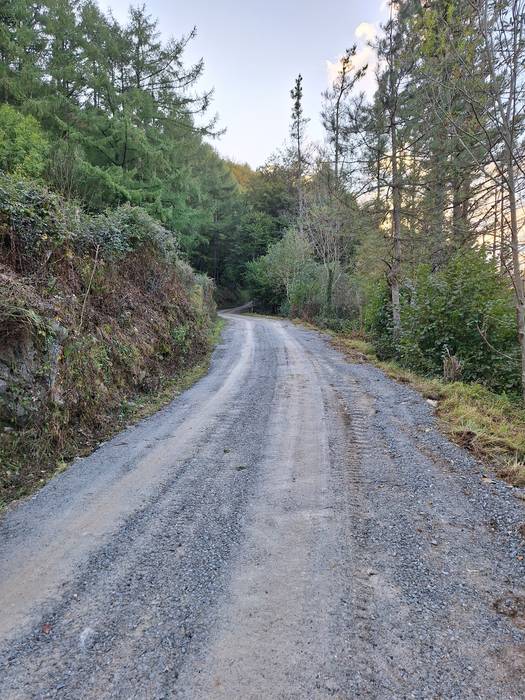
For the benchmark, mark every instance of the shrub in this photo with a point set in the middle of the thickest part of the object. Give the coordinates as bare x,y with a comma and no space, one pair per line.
290,279
378,321
465,309
23,146
122,230
261,288
35,223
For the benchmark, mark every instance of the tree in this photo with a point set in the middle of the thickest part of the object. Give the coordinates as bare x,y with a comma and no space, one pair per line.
22,50
328,227
23,146
335,113
285,261
394,52
272,191
495,136
297,128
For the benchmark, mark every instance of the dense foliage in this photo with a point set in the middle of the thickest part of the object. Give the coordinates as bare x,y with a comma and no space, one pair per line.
109,114
23,146
429,170
465,310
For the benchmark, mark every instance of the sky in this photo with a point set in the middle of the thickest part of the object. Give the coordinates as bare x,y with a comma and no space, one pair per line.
253,50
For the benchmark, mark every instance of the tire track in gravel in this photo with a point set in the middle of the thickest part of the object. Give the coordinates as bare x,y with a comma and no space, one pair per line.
354,415
431,629
305,532
280,594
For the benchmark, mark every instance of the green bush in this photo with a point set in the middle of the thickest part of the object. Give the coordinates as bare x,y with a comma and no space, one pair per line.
378,321
23,146
305,292
38,222
33,219
465,309
290,279
125,229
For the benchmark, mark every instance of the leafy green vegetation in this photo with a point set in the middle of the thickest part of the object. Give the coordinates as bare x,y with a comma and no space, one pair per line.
119,221
23,146
107,114
98,314
465,308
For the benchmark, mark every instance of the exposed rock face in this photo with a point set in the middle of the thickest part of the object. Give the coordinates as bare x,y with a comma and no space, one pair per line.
22,370
55,349
66,385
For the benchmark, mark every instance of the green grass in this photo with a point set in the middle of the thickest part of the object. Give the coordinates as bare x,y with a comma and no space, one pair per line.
151,403
490,425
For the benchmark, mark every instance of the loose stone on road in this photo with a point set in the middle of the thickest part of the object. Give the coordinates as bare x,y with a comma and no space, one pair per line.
293,526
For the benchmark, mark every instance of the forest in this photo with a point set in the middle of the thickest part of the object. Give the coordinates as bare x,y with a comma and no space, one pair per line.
109,115
404,227
262,413
409,219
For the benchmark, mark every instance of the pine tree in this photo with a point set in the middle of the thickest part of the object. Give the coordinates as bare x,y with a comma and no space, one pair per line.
297,129
336,115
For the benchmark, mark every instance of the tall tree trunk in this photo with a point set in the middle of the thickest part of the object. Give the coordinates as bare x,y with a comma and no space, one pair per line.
495,232
460,209
329,289
378,178
438,216
502,264
300,195
336,138
395,269
519,286
456,209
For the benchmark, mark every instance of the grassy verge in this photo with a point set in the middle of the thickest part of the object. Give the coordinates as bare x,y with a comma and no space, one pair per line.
56,459
490,425
148,404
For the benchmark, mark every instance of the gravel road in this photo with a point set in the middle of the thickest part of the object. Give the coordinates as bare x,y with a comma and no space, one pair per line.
293,526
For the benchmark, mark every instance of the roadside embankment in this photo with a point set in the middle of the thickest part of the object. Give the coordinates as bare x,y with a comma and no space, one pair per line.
99,318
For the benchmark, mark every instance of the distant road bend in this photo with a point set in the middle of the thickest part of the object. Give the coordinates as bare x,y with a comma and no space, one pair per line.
293,526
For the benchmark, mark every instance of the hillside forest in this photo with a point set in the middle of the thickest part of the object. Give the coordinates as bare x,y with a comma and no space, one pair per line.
121,227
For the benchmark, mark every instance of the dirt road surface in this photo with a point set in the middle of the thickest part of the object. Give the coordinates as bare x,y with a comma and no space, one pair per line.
293,526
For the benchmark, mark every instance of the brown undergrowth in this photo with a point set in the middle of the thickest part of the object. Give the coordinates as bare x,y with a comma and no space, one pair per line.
91,337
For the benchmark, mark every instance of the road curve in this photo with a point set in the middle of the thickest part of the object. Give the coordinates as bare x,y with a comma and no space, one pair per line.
293,526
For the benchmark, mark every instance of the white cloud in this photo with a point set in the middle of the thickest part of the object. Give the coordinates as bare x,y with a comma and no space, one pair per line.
366,31
365,34
365,55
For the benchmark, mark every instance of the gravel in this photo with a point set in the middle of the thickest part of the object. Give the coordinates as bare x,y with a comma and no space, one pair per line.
293,526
